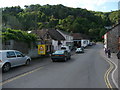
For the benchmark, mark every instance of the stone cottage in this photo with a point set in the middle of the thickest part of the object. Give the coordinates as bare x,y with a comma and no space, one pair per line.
51,38
112,39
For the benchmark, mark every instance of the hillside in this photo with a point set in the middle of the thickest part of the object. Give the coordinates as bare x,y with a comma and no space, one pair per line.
74,20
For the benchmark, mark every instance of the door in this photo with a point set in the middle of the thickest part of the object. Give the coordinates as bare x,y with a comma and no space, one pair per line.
20,58
11,57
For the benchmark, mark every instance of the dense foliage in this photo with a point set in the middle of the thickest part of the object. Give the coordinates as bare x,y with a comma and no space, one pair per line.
74,20
18,35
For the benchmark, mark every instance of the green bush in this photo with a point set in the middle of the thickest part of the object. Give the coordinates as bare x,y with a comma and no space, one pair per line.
18,35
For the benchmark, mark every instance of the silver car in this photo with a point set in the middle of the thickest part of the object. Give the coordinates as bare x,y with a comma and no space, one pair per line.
12,58
79,50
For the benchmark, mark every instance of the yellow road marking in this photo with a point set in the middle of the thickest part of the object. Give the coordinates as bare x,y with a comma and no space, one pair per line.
17,77
106,79
107,74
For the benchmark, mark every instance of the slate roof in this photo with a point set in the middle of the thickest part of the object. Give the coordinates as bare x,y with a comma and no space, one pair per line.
64,32
79,36
54,34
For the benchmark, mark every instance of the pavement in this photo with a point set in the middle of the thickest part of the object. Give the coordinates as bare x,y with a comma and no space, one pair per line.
114,74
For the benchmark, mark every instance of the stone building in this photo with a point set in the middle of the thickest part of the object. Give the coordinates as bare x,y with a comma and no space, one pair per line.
51,38
15,45
112,39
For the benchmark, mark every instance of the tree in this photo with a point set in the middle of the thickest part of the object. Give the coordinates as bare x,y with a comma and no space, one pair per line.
69,19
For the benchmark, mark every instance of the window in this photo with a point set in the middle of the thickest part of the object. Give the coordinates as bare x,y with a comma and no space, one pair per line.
11,54
7,43
59,52
19,54
84,42
64,48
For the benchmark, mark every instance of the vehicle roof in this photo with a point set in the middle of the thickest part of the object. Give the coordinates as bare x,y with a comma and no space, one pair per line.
64,46
61,50
7,50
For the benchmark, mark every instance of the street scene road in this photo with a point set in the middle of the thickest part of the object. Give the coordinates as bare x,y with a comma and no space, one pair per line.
60,44
85,70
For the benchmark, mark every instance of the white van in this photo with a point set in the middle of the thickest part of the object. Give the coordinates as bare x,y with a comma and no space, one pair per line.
65,48
84,43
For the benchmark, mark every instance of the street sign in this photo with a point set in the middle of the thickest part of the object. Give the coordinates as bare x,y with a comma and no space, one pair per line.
41,49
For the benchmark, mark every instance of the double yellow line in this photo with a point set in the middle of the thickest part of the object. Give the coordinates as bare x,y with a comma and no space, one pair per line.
106,76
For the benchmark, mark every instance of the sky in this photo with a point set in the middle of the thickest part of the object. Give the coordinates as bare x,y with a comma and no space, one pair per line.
94,5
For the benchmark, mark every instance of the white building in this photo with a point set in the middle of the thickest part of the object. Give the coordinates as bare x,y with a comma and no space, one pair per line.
105,40
57,39
68,39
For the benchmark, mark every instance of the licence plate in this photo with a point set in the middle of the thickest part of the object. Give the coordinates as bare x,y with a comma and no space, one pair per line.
56,55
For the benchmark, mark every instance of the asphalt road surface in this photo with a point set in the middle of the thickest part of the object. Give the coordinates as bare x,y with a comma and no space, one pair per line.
85,70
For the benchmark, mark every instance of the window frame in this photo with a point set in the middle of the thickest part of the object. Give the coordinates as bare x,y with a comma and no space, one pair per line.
8,56
19,53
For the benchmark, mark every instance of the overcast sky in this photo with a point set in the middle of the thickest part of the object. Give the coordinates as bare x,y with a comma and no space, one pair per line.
95,5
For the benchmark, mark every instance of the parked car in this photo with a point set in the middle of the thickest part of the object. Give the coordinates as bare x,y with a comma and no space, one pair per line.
12,58
79,50
94,43
60,55
90,44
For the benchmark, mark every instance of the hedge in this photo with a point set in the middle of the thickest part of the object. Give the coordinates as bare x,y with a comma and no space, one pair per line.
18,35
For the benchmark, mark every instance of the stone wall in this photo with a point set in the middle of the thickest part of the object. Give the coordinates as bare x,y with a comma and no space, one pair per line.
113,39
33,53
15,45
22,47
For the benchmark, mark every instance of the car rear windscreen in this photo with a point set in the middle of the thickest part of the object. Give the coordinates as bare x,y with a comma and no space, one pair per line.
59,52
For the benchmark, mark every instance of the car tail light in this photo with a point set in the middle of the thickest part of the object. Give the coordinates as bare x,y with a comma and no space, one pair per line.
0,60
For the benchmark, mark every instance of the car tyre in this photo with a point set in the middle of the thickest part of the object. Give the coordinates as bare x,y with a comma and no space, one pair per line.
27,62
6,67
53,60
69,57
65,59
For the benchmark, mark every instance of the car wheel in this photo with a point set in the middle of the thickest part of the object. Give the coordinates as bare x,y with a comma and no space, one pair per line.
53,60
65,59
6,67
27,62
69,57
